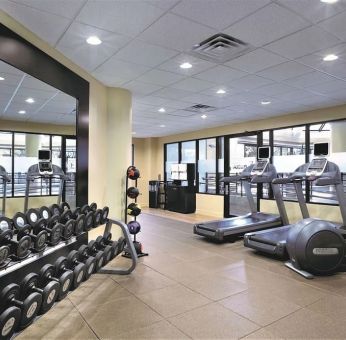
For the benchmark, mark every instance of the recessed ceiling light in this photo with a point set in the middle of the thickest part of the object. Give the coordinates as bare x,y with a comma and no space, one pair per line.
30,100
265,102
94,40
162,125
329,1
2,78
220,91
162,109
22,112
204,116
185,65
330,57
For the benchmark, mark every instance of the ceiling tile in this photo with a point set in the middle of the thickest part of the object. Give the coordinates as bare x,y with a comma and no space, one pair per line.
140,88
11,80
250,82
151,100
220,74
309,79
198,99
176,104
192,84
336,25
266,25
158,77
285,71
124,17
163,4
303,42
141,53
217,14
48,27
329,87
64,8
275,89
73,44
33,83
198,65
256,60
115,72
171,93
172,30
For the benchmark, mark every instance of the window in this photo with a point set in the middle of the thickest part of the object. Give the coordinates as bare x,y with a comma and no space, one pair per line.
285,159
172,156
6,158
188,152
207,165
221,161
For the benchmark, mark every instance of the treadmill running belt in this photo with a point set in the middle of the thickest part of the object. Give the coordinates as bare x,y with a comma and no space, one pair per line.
271,236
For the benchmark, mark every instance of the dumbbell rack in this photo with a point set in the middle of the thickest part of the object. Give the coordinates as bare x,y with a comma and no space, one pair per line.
126,253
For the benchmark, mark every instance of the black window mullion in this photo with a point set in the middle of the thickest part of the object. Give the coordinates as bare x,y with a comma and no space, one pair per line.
307,155
197,160
217,156
51,152
12,161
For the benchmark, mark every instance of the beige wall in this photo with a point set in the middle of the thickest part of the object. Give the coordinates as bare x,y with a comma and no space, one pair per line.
104,120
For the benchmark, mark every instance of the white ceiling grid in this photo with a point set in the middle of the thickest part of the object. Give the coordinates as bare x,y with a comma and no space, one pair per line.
145,41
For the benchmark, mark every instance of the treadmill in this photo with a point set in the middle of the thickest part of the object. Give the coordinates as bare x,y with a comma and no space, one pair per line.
260,172
322,173
4,178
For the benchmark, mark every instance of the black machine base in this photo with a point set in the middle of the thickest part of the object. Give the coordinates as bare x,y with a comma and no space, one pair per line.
138,248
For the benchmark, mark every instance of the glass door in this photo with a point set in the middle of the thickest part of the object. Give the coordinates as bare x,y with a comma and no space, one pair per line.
69,166
240,152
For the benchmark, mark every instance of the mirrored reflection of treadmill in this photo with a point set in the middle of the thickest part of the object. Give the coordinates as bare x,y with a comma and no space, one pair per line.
44,170
273,241
260,172
4,178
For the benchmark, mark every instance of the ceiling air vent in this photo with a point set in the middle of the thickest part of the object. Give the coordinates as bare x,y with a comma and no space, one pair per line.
220,48
200,108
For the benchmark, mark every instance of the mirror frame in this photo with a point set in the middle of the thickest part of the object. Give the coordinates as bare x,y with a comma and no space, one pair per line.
23,55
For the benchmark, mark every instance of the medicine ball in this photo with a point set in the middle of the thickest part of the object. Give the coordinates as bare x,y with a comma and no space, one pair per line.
133,209
132,192
134,227
133,172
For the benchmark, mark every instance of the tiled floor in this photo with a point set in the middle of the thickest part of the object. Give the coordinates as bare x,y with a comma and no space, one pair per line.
191,288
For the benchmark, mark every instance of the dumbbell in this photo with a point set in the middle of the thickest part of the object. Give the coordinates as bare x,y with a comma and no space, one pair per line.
18,313
87,218
92,209
104,215
49,291
39,227
64,206
98,254
57,273
107,240
74,226
121,244
88,260
55,209
108,251
17,246
77,267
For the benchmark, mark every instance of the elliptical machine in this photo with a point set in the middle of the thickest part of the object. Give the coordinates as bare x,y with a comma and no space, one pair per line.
319,247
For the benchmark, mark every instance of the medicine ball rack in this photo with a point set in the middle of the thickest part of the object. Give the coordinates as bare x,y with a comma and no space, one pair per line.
138,251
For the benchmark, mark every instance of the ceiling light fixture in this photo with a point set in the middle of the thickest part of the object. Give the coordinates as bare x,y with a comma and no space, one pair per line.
185,65
94,40
329,1
220,91
162,125
330,57
162,109
2,78
22,112
265,102
30,100
204,116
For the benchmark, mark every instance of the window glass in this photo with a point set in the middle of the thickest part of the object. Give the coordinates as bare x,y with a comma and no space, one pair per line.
334,134
289,154
221,159
188,152
6,159
71,171
172,154
56,160
207,165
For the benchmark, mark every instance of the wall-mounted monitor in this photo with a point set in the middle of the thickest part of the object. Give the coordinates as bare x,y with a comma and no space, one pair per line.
321,149
263,152
44,155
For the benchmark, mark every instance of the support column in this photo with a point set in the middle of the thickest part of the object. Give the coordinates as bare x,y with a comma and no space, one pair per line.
32,144
338,143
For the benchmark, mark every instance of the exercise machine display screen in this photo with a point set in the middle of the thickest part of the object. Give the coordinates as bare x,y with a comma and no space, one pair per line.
316,167
259,167
263,152
321,149
44,155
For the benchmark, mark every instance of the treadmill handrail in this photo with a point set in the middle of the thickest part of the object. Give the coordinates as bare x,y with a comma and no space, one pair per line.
290,179
235,178
261,179
5,178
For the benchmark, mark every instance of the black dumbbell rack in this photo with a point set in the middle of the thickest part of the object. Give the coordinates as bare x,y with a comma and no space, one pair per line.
126,253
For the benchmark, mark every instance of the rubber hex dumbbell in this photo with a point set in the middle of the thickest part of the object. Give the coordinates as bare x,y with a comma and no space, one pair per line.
45,212
64,206
49,291
5,249
104,215
26,311
54,228
107,240
57,273
77,267
55,209
39,226
91,210
108,251
98,254
88,260
19,245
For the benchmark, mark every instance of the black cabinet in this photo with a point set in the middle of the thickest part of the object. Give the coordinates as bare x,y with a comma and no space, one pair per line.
181,199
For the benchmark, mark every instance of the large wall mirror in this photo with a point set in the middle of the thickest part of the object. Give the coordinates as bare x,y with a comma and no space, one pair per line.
37,91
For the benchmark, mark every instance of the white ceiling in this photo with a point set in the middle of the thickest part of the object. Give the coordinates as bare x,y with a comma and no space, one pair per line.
144,42
51,105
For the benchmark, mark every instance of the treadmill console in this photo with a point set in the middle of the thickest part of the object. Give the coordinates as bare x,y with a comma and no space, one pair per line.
260,167
45,167
316,167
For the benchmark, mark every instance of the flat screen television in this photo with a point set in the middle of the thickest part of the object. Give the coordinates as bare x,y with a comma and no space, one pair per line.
321,149
44,155
263,152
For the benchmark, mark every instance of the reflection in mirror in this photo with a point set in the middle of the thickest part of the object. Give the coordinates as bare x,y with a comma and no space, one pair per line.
26,99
